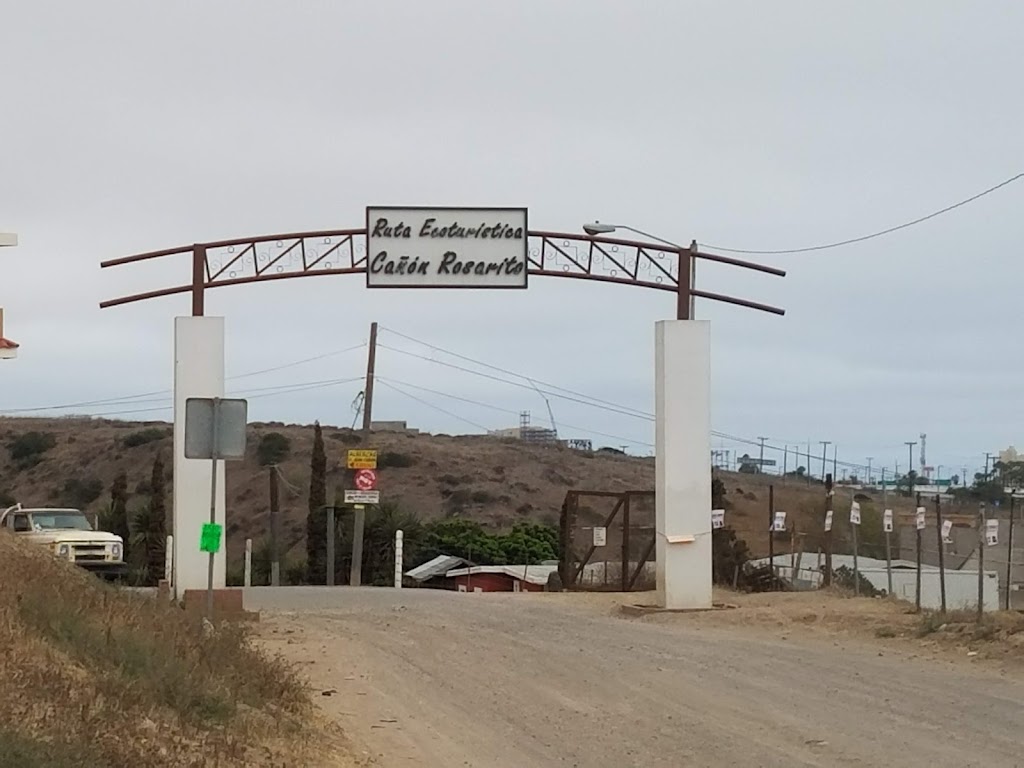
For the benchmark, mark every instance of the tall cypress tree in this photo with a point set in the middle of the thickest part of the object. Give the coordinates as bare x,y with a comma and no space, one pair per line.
316,521
156,538
119,508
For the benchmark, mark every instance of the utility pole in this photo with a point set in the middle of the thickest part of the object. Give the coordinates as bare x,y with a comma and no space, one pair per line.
785,459
835,462
275,529
988,456
824,458
910,467
869,470
760,461
371,365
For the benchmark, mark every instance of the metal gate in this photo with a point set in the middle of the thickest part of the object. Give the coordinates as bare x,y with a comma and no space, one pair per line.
607,540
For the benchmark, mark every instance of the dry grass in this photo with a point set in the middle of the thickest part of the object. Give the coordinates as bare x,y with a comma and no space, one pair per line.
93,675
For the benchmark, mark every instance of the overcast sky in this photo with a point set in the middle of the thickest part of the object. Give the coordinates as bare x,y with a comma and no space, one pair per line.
132,126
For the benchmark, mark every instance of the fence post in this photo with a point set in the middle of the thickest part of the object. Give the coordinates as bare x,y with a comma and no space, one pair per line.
981,561
942,551
247,579
330,546
398,559
917,598
1009,550
624,570
828,534
888,534
856,566
169,563
771,538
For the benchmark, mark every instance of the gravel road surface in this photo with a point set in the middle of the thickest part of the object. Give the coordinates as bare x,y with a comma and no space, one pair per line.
431,678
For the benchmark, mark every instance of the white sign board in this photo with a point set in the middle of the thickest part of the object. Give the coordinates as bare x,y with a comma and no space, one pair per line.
947,526
362,497
717,518
991,532
855,513
828,520
919,518
446,247
887,521
779,524
600,535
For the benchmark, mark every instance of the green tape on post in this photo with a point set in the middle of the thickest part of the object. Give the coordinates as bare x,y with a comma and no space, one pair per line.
209,541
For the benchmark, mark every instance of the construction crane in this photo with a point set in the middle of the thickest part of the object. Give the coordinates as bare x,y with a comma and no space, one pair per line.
551,414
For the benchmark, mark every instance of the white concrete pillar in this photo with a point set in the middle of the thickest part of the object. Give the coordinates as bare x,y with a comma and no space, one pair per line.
682,388
198,372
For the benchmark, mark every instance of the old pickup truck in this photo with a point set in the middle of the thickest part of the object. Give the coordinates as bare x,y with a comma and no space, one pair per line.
69,535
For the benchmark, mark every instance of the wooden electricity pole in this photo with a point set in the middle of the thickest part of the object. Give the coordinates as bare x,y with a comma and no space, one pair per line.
371,364
275,529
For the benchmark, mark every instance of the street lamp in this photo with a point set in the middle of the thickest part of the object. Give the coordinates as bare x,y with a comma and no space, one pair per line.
597,228
8,349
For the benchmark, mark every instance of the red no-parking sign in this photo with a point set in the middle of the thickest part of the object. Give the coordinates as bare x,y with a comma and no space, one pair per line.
366,479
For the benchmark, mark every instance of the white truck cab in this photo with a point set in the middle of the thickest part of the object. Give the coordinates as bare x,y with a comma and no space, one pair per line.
69,535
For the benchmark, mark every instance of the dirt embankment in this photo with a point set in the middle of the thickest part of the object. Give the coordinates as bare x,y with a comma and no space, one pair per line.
92,675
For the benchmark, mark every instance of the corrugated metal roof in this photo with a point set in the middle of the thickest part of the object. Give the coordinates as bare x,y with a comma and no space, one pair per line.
535,574
439,566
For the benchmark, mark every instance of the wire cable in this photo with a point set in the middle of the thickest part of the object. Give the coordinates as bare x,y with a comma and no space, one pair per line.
137,398
510,373
873,235
585,430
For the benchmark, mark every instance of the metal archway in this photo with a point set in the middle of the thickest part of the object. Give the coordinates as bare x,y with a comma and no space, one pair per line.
343,252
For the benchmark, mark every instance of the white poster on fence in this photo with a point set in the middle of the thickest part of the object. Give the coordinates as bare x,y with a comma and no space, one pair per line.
600,535
991,532
855,513
947,526
919,520
779,524
887,521
717,518
828,520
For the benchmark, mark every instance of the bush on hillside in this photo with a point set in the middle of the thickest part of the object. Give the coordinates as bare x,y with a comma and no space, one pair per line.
273,449
146,436
80,492
393,459
28,449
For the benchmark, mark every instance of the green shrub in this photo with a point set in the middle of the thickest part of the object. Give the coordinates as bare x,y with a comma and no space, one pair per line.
146,436
79,493
273,449
482,497
393,459
27,450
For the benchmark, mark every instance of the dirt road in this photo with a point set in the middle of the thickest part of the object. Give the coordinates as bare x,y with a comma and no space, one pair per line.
429,678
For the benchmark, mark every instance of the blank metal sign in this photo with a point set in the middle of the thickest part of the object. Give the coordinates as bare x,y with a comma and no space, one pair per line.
232,415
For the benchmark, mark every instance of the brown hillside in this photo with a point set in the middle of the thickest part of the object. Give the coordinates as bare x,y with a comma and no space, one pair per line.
497,481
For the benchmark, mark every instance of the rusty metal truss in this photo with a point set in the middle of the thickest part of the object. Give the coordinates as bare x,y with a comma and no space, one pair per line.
343,252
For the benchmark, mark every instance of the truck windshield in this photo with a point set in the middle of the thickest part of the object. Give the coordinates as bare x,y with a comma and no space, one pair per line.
60,521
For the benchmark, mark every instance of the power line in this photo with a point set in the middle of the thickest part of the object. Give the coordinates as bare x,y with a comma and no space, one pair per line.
873,235
138,398
585,430
431,405
623,410
252,394
533,381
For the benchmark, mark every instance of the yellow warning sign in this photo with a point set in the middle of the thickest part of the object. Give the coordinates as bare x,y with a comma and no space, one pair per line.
361,459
